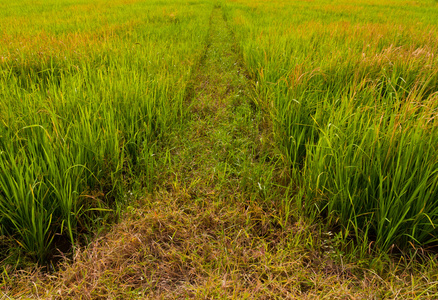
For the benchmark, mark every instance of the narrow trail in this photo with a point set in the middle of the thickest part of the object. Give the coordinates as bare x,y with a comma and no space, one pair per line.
220,151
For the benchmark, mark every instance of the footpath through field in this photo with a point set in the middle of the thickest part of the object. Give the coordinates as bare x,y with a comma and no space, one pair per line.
210,229
213,228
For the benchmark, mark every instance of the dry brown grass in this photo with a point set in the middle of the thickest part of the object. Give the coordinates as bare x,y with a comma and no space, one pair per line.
169,247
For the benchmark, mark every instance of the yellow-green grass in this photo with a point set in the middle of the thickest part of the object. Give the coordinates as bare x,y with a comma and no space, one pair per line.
87,89
352,89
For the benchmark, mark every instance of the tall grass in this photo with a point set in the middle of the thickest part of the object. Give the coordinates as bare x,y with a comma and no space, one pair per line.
87,90
352,89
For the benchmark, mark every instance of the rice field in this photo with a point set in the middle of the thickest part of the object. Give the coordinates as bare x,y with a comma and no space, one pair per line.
91,89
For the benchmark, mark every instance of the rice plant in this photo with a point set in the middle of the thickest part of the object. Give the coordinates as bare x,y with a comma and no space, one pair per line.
352,90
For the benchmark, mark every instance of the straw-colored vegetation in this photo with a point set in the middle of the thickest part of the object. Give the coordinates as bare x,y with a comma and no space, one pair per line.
241,149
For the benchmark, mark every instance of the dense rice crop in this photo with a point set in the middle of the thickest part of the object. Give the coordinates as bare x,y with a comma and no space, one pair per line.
352,87
87,88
